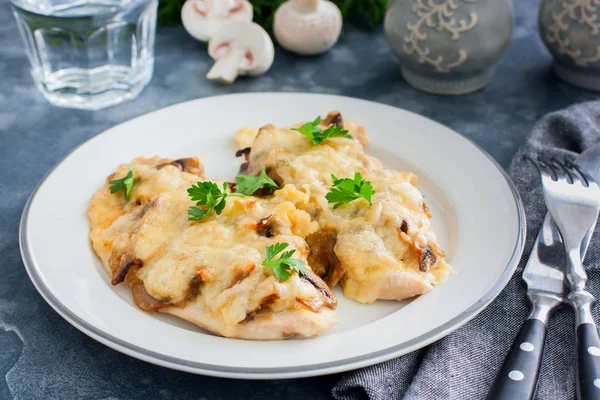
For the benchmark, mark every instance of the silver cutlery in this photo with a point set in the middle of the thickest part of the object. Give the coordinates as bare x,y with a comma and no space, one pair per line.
543,276
544,279
573,200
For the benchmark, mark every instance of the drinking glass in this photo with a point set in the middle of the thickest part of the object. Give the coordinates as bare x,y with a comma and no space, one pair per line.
88,54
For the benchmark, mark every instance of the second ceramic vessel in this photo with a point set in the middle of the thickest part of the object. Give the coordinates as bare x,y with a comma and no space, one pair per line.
571,31
449,46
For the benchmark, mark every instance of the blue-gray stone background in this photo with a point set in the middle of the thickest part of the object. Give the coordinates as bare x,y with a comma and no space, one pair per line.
42,356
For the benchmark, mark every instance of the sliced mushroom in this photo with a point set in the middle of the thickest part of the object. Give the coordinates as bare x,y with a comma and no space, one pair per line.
307,27
240,48
334,118
203,18
190,164
194,287
265,227
322,257
265,302
404,226
127,261
427,259
246,153
144,300
272,173
326,294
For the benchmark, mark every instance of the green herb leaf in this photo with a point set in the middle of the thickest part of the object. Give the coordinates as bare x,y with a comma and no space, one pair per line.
272,251
209,196
346,190
309,129
220,205
197,214
248,185
313,131
124,183
335,131
285,264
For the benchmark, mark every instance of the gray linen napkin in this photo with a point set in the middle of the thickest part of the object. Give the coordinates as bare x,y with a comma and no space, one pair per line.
463,365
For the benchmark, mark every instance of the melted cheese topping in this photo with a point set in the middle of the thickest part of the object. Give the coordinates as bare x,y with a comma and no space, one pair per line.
376,258
222,254
210,272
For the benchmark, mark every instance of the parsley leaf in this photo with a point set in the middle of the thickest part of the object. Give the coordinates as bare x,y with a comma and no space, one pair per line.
248,185
210,197
309,129
313,131
124,183
197,214
346,190
334,131
285,264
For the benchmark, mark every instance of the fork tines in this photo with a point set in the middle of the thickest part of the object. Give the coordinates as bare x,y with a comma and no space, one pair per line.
557,169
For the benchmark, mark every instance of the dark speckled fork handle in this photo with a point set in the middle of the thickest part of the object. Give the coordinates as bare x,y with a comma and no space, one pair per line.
588,345
518,376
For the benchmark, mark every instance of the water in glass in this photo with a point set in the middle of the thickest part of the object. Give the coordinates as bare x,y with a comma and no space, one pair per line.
88,54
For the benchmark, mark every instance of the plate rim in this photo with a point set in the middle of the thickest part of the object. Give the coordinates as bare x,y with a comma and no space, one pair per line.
326,368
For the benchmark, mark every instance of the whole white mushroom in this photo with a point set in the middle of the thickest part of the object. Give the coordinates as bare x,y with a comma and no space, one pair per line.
307,27
240,48
203,18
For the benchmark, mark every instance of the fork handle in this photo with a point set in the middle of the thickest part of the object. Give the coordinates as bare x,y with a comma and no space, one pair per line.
588,361
588,345
517,379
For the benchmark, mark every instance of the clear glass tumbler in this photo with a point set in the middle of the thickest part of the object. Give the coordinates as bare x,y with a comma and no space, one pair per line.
88,54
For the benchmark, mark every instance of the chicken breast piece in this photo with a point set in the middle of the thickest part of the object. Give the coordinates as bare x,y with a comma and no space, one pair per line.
209,272
384,251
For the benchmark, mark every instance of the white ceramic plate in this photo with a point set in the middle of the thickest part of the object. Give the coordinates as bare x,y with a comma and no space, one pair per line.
476,213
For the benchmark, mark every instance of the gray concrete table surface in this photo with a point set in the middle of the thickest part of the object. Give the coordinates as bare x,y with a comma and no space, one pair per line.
42,356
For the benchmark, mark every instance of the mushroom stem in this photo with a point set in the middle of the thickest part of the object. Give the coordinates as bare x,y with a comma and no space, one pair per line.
305,5
226,67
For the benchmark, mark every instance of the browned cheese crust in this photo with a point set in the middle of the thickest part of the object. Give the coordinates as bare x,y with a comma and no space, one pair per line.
384,251
208,272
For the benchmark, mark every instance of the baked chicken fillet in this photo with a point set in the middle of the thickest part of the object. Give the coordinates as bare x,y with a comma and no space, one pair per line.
384,251
208,272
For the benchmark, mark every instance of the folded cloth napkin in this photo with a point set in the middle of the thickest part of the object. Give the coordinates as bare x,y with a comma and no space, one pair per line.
464,364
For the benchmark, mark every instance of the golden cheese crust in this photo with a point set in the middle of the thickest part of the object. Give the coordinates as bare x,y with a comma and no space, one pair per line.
208,272
387,251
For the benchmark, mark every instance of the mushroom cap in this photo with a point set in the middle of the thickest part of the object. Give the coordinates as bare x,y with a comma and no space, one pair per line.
307,33
203,18
251,38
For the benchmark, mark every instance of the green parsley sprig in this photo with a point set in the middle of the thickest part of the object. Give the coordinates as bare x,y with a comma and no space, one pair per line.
208,196
285,264
249,185
313,131
124,183
346,190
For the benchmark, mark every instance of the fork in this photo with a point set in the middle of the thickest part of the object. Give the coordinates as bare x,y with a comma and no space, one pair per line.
573,201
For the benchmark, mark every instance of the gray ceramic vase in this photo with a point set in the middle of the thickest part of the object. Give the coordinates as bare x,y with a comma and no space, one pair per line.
571,31
449,46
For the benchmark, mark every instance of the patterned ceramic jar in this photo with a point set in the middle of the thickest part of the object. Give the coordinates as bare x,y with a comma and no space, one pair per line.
571,31
449,46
